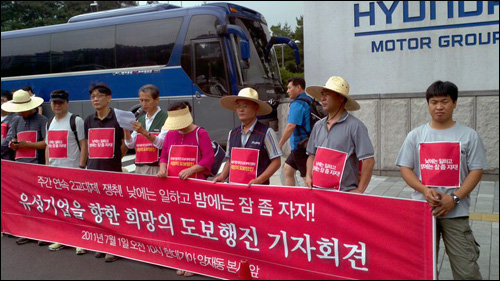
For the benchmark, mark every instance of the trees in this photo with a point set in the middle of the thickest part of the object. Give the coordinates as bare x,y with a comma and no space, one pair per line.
290,69
26,14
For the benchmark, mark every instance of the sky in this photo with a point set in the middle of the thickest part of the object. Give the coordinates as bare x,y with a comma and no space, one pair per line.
275,12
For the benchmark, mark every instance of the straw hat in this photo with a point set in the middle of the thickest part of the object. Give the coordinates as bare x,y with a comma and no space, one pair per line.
178,119
338,85
21,102
229,102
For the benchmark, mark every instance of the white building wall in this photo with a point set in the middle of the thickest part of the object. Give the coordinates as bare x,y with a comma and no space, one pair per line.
390,84
335,45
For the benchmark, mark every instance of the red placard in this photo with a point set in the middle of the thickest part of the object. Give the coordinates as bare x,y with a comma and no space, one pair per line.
102,143
29,136
194,225
181,157
440,164
5,129
244,165
58,144
145,151
328,168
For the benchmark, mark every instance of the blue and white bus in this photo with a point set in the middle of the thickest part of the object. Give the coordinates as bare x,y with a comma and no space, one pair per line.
197,54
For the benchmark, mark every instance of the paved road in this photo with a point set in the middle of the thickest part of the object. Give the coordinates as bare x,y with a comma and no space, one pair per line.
33,262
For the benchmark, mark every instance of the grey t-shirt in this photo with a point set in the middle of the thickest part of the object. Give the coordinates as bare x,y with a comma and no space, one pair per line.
472,157
348,135
34,122
73,160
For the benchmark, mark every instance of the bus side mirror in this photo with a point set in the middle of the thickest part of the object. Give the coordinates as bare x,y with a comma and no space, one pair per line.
245,50
224,30
275,40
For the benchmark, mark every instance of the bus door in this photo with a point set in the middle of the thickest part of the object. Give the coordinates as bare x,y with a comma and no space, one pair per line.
210,84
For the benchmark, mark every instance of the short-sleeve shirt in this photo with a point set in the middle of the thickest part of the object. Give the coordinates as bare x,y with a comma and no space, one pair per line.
348,135
9,121
299,114
73,160
34,122
198,138
114,164
472,153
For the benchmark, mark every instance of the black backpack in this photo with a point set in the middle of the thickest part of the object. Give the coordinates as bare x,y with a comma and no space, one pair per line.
316,113
219,157
219,154
72,123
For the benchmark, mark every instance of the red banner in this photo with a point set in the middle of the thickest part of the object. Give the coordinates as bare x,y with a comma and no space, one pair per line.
5,129
440,164
328,168
206,228
58,144
244,165
181,157
101,143
145,151
28,136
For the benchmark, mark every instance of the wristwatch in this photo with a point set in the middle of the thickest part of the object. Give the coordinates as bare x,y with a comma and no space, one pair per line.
456,199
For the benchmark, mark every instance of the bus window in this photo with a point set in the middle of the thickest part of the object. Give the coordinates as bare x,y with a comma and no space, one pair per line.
87,49
200,26
209,67
262,72
26,56
146,43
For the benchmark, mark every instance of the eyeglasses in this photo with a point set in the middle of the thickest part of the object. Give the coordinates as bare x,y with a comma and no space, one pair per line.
242,106
98,96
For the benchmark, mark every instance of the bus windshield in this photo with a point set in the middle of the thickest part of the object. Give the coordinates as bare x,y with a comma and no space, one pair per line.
262,68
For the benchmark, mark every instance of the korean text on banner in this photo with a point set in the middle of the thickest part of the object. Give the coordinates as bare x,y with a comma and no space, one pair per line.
58,144
244,165
181,157
328,168
28,136
209,228
440,164
146,152
101,143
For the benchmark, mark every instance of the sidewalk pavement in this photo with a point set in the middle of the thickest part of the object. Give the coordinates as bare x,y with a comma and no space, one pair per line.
483,219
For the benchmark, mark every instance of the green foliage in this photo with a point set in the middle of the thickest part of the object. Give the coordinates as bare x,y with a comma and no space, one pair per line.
292,69
26,14
285,75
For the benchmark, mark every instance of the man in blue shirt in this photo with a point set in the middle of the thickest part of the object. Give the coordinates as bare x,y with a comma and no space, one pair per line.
297,129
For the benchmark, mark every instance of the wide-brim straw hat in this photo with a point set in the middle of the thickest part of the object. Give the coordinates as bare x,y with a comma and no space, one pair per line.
178,119
338,85
229,102
21,102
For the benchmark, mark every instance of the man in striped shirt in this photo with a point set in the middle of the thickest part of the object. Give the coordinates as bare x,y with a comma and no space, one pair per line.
252,135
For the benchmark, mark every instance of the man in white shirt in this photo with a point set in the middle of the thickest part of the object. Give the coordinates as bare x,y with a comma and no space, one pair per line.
66,142
148,136
458,159
70,152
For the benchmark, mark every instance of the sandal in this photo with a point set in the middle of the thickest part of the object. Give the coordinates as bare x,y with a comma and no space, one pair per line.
188,274
180,272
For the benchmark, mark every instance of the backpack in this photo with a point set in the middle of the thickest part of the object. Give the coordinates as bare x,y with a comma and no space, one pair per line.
219,154
219,157
72,123
316,113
